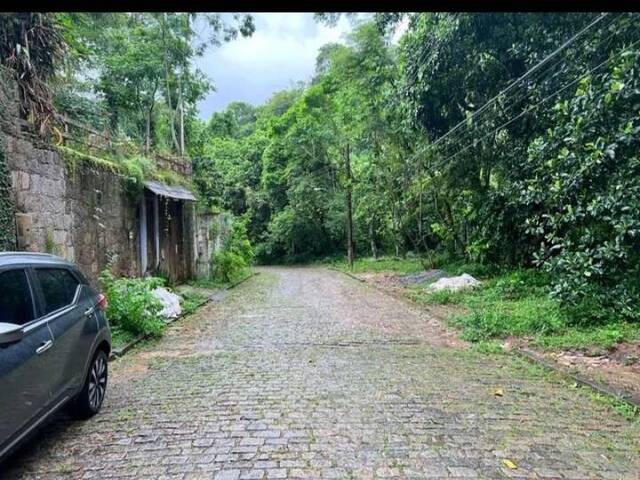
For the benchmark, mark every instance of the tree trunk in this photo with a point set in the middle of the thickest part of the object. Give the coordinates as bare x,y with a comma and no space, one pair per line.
181,127
349,202
372,240
149,114
147,133
420,232
396,230
172,122
181,120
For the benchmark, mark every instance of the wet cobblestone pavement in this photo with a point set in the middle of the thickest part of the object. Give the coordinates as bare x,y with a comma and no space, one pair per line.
305,373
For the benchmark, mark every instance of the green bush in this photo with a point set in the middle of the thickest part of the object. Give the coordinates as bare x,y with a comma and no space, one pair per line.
7,222
518,303
132,305
235,256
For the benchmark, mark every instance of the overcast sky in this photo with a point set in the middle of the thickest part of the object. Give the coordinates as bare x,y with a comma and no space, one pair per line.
282,51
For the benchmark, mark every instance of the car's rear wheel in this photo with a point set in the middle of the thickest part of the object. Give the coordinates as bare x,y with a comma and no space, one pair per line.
89,400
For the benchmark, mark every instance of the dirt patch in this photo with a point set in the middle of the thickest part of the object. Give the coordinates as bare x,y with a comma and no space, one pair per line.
619,367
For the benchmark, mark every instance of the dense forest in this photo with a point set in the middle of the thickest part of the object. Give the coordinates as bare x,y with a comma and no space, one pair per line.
503,139
458,142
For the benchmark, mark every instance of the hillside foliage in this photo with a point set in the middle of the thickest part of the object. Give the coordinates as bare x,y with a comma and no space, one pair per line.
454,141
543,175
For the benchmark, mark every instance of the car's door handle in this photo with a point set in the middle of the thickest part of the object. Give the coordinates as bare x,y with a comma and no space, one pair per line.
89,311
44,347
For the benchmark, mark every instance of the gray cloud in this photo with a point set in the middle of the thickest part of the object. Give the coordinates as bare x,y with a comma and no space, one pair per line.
282,51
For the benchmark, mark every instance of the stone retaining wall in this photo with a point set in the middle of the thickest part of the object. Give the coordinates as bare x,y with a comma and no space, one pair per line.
81,212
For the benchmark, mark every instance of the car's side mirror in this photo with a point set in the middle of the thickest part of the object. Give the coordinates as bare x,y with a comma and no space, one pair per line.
10,333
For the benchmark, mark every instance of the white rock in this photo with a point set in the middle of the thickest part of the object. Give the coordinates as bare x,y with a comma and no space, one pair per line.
170,301
454,283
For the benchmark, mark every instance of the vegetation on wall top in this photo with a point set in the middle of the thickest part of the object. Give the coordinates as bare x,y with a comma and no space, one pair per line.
7,222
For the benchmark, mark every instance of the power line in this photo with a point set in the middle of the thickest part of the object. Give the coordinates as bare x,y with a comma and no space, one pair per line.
513,84
465,134
533,107
522,77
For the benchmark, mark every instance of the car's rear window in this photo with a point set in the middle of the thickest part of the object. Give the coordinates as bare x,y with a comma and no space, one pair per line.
16,305
58,287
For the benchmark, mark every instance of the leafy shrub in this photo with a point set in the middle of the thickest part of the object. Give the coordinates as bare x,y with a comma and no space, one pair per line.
132,305
235,256
583,185
522,283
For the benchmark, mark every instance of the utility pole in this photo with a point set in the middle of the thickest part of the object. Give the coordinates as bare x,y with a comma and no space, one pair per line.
349,201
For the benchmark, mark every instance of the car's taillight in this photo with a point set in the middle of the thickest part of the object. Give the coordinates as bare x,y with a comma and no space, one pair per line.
102,303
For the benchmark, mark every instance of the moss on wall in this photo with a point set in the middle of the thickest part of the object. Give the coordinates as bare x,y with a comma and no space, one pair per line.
7,220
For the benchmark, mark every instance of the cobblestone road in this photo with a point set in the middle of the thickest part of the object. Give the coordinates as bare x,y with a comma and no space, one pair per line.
305,373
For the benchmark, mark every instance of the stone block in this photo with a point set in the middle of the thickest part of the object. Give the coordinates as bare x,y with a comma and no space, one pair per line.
60,237
24,224
20,180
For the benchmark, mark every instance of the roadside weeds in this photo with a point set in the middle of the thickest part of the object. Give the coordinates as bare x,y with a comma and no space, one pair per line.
625,402
121,351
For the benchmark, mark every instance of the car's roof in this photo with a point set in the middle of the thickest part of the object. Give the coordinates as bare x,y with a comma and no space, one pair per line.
31,258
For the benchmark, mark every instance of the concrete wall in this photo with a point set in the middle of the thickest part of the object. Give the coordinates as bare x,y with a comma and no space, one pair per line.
211,231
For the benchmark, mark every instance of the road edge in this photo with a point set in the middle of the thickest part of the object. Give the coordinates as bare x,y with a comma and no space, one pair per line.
533,357
120,352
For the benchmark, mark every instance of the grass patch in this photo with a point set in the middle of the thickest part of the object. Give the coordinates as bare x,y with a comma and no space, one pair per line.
217,284
120,337
380,264
191,300
488,347
517,304
442,297
605,336
497,318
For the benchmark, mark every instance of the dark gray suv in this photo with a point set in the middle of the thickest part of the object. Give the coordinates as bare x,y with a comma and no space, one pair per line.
54,344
